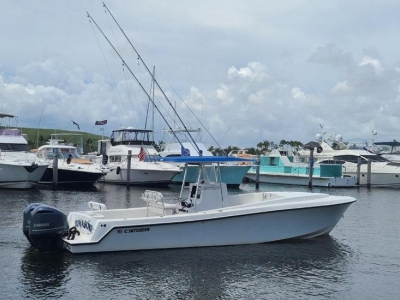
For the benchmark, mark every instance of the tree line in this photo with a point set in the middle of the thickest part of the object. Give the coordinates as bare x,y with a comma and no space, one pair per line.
261,148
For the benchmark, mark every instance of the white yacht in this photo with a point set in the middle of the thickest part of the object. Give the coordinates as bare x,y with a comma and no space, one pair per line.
19,168
145,167
72,169
383,172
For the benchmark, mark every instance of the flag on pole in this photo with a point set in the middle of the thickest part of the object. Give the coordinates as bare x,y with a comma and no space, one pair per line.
104,122
76,124
142,154
185,151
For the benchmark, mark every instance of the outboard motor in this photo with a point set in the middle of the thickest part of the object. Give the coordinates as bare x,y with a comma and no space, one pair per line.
47,225
27,221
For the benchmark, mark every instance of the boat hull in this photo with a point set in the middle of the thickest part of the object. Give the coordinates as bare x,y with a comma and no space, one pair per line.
232,175
216,230
16,175
381,174
70,178
156,176
292,179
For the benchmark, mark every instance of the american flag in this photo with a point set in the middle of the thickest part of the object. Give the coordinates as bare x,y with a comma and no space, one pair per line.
142,154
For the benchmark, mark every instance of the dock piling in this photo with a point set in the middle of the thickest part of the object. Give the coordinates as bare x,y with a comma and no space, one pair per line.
258,172
55,167
369,173
128,170
311,166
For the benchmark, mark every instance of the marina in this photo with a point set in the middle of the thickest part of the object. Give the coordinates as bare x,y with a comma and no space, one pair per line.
158,211
358,260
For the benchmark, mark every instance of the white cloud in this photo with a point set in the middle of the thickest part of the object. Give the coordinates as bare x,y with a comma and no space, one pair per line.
368,61
254,71
342,88
298,94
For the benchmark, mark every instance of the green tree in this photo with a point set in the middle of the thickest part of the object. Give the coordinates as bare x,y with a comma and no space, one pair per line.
252,151
263,147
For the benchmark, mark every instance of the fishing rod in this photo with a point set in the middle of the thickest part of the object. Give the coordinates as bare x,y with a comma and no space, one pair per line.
155,81
137,80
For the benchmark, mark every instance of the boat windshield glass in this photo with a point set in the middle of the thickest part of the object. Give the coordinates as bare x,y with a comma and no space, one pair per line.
364,158
13,147
62,153
387,149
65,153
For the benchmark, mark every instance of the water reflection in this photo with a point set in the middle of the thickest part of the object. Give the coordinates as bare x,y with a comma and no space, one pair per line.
44,275
215,272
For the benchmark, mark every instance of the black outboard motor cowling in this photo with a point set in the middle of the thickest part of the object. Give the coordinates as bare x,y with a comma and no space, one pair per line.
47,226
27,221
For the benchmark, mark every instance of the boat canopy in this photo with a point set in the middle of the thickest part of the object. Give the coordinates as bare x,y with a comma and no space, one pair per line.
131,136
204,159
3,115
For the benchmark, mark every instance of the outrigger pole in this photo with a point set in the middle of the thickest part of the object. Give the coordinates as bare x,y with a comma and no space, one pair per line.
137,80
155,81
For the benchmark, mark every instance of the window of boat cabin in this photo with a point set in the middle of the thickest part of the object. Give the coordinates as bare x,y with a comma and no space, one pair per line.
115,158
331,161
350,158
364,159
13,147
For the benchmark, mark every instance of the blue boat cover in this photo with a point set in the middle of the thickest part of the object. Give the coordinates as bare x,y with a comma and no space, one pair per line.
204,159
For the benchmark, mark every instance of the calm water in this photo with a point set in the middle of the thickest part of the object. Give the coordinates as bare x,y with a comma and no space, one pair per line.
359,260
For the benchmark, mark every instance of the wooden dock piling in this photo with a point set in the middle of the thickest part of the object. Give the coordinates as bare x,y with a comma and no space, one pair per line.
128,170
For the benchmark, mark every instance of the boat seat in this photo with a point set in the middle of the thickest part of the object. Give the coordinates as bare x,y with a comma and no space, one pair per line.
155,203
96,206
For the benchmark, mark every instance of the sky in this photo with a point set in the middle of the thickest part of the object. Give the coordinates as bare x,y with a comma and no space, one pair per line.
243,71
